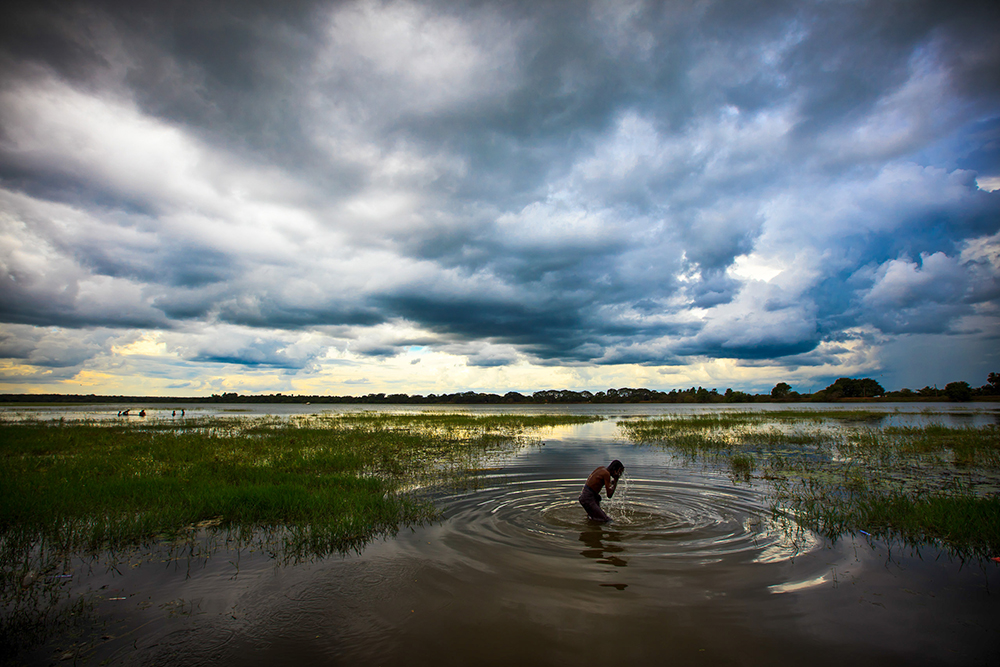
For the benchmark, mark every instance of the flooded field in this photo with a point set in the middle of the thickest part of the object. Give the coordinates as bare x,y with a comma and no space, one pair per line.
697,568
894,414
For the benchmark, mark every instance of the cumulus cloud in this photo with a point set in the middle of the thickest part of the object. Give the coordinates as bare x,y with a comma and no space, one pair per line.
926,296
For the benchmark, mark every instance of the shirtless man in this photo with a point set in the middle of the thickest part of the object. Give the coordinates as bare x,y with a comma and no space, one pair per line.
590,497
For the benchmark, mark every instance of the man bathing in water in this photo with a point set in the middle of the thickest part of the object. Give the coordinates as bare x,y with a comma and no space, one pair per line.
590,497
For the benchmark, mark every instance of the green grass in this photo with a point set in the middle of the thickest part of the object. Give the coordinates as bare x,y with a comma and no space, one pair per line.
88,486
966,526
840,472
93,487
967,445
659,427
742,466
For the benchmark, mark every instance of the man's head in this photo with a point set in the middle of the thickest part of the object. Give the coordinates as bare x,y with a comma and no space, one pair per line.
616,468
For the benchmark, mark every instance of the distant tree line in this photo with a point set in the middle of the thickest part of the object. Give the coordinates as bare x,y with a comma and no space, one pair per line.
843,388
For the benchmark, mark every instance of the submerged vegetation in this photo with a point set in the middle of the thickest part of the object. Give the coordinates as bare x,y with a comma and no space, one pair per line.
302,487
845,472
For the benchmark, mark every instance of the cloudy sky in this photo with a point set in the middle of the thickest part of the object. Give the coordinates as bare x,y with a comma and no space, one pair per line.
422,197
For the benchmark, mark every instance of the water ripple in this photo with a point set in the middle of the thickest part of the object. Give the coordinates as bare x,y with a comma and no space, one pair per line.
686,520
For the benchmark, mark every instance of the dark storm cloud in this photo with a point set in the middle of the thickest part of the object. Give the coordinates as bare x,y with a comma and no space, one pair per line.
575,182
979,148
174,266
256,355
473,318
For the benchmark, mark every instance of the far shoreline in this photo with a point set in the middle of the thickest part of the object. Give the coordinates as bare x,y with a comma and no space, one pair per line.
50,400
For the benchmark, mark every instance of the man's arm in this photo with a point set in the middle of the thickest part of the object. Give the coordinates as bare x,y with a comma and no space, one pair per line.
610,483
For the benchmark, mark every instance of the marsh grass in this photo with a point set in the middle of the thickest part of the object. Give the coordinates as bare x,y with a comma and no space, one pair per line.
301,488
967,446
841,472
652,428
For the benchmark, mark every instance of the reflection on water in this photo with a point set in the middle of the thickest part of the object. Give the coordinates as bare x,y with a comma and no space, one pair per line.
693,570
603,545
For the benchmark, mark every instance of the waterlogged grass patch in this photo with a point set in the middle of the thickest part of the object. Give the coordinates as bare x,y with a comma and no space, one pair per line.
91,486
651,428
965,446
840,472
742,466
964,525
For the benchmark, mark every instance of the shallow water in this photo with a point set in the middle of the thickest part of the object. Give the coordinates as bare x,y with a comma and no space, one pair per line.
895,414
692,571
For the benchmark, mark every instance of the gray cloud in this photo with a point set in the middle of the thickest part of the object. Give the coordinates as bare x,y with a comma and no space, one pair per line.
563,183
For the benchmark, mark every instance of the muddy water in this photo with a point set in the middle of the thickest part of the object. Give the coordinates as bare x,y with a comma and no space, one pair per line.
692,571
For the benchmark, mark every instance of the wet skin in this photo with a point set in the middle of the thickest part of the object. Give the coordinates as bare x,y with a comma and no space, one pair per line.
603,477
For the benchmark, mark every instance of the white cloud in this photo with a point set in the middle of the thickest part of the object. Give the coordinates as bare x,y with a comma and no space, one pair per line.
901,283
753,267
988,183
422,61
106,142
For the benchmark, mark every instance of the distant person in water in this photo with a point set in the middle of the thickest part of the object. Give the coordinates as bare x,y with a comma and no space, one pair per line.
590,497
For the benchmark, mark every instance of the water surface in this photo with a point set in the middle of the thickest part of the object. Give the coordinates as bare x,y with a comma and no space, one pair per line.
895,414
693,571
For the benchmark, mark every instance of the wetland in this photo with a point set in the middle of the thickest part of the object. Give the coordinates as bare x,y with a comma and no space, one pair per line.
412,535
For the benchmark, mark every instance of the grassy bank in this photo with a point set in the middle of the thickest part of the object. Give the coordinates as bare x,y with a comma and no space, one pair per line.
842,472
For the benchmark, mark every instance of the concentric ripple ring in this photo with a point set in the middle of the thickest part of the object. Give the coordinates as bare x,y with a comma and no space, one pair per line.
678,518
